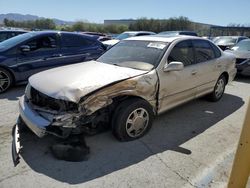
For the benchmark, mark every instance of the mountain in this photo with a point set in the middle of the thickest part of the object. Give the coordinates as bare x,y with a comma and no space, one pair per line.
22,17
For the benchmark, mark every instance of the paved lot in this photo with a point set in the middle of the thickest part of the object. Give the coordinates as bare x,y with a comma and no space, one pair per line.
190,146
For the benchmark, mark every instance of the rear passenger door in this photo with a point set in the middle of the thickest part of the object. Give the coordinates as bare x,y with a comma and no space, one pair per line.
76,48
208,65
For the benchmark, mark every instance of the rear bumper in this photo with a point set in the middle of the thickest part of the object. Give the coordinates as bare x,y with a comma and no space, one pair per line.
32,119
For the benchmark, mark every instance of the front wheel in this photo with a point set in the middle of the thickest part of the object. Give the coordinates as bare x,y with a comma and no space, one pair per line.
219,89
132,119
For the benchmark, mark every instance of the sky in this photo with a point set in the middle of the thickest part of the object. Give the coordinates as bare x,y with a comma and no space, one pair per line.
217,12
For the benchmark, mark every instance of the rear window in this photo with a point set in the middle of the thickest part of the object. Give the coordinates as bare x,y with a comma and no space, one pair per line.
70,40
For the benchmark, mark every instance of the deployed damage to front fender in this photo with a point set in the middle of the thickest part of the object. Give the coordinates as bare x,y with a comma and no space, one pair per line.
143,86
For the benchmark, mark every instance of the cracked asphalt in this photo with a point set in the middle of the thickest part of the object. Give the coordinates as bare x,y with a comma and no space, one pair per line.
190,146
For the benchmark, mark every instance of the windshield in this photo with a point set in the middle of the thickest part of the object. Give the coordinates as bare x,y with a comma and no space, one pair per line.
9,43
125,35
243,45
225,40
143,55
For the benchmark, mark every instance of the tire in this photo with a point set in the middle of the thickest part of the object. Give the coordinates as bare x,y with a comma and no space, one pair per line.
132,119
6,80
219,89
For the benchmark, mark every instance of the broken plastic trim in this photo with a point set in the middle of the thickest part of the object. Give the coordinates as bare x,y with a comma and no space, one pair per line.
16,146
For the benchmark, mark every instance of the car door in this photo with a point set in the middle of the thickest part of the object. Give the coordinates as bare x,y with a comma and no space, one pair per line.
76,48
208,65
177,87
43,53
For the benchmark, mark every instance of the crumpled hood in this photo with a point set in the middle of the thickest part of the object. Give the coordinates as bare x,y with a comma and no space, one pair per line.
75,81
240,54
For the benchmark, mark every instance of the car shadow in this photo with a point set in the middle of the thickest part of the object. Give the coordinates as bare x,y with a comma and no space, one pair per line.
13,93
170,130
244,79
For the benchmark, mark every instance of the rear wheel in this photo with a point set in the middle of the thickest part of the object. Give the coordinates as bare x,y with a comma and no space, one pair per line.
132,119
219,89
6,80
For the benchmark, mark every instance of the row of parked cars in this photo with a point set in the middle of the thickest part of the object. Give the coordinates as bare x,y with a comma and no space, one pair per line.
123,87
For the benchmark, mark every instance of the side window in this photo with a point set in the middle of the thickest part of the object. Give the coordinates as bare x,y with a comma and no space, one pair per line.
70,41
143,34
216,50
182,52
43,43
203,51
3,36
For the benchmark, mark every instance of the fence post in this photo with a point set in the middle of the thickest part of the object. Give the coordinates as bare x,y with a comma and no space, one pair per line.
241,166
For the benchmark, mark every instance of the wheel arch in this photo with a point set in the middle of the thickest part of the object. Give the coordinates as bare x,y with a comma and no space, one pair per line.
226,76
122,98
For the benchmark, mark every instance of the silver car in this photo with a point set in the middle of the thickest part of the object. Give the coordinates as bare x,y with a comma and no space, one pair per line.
137,79
242,54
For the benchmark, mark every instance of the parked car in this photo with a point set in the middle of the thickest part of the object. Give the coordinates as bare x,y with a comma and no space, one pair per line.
125,35
100,36
226,42
125,88
6,34
32,52
242,53
173,33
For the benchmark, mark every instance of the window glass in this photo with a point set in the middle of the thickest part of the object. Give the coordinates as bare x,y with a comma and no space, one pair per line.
69,40
182,52
142,55
243,45
3,36
216,50
43,43
143,34
203,51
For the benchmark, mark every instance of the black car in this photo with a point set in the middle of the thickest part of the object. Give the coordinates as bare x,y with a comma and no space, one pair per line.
32,52
6,34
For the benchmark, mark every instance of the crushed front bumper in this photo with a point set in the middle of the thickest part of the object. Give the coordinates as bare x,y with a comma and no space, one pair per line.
32,119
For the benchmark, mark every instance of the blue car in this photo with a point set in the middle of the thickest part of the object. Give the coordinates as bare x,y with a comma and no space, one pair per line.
32,52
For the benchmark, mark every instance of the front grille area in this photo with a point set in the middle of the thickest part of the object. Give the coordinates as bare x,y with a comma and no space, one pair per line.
42,100
239,60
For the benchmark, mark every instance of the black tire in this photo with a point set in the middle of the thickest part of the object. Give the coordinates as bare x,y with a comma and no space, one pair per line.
6,80
137,109
219,89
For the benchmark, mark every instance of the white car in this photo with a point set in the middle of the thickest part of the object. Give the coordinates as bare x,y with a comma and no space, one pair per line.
137,79
125,35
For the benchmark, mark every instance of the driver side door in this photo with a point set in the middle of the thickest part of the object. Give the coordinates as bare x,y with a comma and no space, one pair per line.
177,87
44,53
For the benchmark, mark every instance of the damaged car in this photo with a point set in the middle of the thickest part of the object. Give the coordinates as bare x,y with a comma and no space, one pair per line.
126,87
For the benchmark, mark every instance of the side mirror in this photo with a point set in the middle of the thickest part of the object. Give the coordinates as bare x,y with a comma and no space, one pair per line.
25,48
173,66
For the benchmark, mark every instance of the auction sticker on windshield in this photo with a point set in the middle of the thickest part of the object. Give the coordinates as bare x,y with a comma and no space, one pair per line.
156,45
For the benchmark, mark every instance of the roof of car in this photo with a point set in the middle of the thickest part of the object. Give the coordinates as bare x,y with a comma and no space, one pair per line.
35,33
135,32
15,31
159,38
